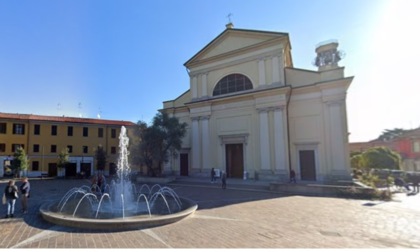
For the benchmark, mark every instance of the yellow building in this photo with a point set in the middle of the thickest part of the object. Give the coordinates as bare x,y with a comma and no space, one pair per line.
44,137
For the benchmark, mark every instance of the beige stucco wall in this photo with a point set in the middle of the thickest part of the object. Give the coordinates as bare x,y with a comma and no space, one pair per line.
317,103
242,65
232,43
234,118
307,130
299,78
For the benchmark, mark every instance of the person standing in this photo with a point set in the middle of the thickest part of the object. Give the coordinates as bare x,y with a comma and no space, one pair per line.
102,182
11,193
213,175
292,176
224,180
24,190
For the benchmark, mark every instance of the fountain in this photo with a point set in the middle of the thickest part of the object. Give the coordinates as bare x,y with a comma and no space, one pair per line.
120,205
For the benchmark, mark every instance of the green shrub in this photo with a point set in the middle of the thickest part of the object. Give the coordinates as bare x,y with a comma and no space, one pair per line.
361,193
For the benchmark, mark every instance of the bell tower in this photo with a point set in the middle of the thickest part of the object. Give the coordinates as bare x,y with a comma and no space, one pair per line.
327,55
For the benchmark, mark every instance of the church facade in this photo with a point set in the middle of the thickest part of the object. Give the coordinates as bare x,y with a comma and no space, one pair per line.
251,114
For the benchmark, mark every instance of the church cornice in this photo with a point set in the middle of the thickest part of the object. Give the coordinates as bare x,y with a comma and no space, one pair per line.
275,42
227,61
323,85
322,90
242,32
254,93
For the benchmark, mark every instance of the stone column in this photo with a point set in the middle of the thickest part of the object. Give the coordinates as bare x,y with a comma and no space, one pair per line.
275,72
194,90
221,159
279,141
261,72
264,140
205,143
196,151
204,85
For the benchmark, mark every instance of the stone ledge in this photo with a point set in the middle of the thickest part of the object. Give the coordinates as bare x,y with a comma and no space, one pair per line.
312,189
155,180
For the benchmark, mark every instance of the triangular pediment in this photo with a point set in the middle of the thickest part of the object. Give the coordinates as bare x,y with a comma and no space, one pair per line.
232,40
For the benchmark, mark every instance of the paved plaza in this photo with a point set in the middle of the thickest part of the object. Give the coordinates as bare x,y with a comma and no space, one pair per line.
242,216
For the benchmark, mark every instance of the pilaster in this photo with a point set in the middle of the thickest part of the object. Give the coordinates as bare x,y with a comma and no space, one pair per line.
279,141
261,72
275,70
336,136
196,151
205,144
281,68
194,87
264,140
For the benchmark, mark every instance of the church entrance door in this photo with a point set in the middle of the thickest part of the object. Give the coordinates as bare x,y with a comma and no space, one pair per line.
307,165
183,164
234,160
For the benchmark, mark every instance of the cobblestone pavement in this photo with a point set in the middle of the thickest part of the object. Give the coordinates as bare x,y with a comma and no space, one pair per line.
232,218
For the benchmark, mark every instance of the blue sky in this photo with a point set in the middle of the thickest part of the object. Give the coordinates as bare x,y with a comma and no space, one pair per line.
122,59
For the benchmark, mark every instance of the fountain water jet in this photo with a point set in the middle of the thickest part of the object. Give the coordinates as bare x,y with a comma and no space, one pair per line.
126,207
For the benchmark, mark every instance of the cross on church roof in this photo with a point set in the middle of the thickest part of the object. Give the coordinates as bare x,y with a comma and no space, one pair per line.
228,16
229,25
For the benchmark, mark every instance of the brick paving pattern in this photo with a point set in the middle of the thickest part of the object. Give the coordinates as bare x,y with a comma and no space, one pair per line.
238,217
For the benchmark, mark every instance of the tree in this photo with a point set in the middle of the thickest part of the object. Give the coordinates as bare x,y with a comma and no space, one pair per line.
158,141
142,146
355,153
388,134
21,161
63,159
356,161
101,156
380,157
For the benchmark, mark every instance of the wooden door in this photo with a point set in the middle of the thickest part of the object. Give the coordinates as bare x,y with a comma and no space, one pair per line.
307,165
183,164
234,160
52,170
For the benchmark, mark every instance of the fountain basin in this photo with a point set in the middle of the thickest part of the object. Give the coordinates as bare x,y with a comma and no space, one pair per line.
49,214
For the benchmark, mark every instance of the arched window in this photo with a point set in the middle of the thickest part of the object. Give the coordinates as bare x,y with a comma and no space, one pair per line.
231,84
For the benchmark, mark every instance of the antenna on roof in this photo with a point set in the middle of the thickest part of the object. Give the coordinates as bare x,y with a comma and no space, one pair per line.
99,113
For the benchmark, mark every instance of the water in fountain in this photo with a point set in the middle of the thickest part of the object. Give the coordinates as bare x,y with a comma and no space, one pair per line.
122,189
121,198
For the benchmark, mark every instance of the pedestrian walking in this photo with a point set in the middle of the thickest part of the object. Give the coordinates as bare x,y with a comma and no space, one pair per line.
224,180
414,180
11,194
399,182
25,187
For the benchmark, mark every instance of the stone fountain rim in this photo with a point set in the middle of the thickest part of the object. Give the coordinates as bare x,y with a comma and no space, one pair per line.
127,223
